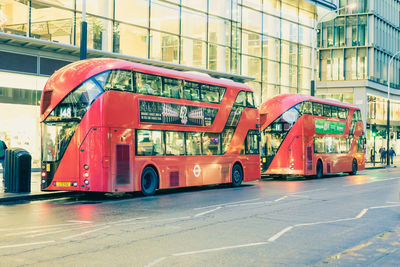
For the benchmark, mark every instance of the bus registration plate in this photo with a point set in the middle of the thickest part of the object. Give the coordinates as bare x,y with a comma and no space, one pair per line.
64,184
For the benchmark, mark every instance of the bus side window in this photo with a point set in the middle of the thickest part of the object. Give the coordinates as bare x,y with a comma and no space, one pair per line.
122,80
174,143
317,109
191,91
193,143
172,88
149,143
241,99
210,143
342,113
306,107
327,111
252,144
148,84
250,100
334,112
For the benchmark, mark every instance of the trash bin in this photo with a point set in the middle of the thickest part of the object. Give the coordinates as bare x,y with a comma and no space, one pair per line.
17,170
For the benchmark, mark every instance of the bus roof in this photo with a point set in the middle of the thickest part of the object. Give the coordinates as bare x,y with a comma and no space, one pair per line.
64,80
285,101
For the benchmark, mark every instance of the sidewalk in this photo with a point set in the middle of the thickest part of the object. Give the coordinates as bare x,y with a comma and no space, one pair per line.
35,191
379,165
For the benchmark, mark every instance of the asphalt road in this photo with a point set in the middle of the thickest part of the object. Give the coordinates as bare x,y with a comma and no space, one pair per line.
334,221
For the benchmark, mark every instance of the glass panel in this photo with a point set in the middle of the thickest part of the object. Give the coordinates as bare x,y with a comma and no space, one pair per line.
211,143
290,31
175,143
213,94
136,12
219,31
150,143
218,58
164,17
343,112
194,24
251,19
338,65
192,91
327,111
306,35
119,80
196,4
334,112
220,8
14,17
272,26
193,53
251,66
272,7
306,107
52,24
289,11
362,64
193,143
130,40
271,49
164,47
148,84
317,109
350,64
319,145
102,8
227,135
173,88
250,99
251,43
99,34
271,72
241,99
339,32
252,144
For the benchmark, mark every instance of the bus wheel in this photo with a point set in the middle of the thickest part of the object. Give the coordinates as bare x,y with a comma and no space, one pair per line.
149,181
353,168
320,169
237,175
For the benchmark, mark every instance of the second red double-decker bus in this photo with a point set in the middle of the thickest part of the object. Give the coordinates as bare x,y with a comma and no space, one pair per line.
110,125
304,135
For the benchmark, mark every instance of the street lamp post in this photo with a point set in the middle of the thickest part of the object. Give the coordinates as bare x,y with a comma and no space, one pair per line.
388,112
83,49
314,42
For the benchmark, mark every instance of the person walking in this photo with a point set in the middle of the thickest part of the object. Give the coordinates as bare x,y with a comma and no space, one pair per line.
383,155
3,148
372,155
392,153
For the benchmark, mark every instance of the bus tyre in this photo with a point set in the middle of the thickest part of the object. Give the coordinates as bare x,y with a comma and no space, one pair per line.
353,167
149,181
320,169
237,175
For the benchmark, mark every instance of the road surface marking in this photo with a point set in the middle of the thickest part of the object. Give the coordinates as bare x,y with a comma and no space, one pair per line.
384,207
75,221
206,212
279,199
308,191
277,235
60,231
218,249
85,233
155,221
28,244
31,232
361,213
155,262
370,182
37,227
228,203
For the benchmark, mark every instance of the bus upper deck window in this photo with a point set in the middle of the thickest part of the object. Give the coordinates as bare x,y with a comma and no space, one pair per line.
191,91
306,107
173,88
250,99
148,84
334,112
241,99
327,111
317,109
118,80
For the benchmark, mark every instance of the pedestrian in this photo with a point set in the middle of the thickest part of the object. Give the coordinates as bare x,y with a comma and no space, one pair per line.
3,148
392,153
372,155
383,155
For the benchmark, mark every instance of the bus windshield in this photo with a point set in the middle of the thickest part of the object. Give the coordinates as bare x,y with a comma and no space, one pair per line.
60,125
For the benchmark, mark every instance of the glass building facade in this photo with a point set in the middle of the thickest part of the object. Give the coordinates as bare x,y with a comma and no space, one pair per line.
354,53
268,40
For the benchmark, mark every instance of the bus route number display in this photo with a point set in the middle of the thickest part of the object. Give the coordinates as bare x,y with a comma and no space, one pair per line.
157,112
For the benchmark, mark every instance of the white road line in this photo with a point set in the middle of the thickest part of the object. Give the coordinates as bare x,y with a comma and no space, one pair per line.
84,233
60,231
361,213
218,249
384,207
76,221
206,212
370,182
28,244
155,262
308,191
393,202
279,199
249,204
37,227
277,235
31,232
228,203
155,221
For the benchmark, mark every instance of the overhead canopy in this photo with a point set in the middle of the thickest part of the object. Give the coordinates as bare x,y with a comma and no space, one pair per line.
43,45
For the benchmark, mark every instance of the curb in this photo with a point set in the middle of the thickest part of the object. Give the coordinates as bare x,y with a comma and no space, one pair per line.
36,196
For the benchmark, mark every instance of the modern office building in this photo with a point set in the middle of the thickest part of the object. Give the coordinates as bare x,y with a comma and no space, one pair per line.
355,49
267,40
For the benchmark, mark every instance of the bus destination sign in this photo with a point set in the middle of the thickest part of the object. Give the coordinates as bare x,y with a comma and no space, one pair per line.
157,112
329,127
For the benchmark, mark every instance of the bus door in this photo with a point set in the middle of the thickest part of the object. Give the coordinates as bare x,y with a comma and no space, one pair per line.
122,152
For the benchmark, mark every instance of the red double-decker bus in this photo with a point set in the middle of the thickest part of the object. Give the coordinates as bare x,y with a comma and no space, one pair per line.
304,135
110,125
